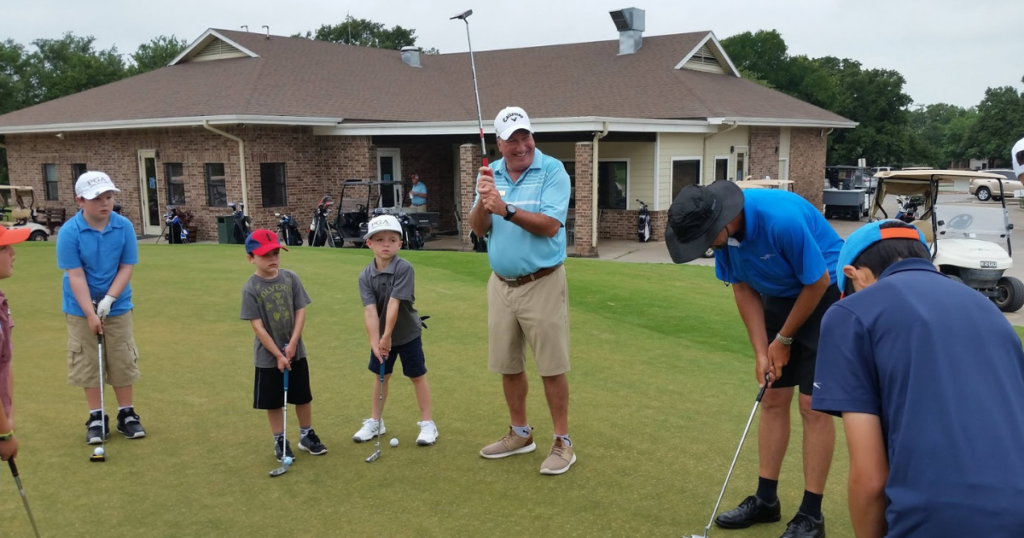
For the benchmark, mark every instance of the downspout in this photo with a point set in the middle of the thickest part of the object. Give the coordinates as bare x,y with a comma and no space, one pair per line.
593,185
704,151
241,161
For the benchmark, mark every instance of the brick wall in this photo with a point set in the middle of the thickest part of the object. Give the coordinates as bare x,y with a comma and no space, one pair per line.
584,200
314,166
622,224
433,163
469,163
764,158
807,163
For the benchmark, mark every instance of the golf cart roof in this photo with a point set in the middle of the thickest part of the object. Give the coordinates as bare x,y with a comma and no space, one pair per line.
357,182
16,188
929,175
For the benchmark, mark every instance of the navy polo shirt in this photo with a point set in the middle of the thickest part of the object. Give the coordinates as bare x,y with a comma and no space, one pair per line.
944,371
787,245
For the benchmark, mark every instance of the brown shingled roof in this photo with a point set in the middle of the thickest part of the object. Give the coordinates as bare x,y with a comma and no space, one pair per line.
316,79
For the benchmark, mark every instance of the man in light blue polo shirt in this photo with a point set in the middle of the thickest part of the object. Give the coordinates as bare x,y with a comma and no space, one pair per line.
779,254
417,195
521,204
98,250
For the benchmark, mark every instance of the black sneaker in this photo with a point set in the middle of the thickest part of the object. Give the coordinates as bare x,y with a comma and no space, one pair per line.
311,443
288,450
805,526
752,510
94,435
128,424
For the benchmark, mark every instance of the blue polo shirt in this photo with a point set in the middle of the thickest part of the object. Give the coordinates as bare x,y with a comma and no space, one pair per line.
787,245
419,188
542,188
99,254
944,371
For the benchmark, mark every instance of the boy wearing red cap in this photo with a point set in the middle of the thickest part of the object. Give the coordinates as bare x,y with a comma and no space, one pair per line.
274,301
8,442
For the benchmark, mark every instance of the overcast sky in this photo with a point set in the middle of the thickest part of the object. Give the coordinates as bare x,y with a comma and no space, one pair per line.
948,50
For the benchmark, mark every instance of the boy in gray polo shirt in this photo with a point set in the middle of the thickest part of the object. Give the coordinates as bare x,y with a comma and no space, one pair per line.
393,325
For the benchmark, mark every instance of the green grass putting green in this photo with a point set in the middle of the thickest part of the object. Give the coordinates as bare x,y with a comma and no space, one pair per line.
661,385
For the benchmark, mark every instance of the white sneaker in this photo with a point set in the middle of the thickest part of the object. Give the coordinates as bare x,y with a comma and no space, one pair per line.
428,433
369,430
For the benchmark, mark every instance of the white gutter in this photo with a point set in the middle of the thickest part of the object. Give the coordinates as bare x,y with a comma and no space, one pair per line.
593,185
781,122
241,163
540,125
184,121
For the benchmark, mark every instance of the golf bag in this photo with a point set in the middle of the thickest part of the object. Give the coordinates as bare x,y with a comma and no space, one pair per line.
411,237
176,232
288,229
320,230
643,224
906,208
241,229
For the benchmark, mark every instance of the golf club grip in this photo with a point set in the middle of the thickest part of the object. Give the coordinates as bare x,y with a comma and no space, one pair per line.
382,367
764,387
485,161
14,468
286,379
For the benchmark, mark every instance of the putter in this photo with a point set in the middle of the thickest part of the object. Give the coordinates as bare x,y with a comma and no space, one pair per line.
284,442
102,456
464,17
757,401
24,499
380,413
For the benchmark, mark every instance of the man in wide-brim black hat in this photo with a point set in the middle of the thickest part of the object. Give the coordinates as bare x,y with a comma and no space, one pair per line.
779,254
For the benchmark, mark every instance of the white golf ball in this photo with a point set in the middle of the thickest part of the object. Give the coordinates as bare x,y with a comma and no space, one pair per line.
288,460
394,441
98,451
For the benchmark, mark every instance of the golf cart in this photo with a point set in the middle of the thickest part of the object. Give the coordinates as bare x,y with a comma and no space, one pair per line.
963,237
17,205
352,218
848,193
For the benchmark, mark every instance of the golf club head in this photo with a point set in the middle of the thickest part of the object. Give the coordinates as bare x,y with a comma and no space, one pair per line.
462,16
98,458
279,471
373,457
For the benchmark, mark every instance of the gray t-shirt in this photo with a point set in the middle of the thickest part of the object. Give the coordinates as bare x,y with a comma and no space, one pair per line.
396,281
275,302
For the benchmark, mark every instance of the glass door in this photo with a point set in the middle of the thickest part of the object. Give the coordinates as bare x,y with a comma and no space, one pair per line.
150,200
389,168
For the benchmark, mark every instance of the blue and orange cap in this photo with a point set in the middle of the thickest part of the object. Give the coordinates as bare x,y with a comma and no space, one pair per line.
261,241
868,235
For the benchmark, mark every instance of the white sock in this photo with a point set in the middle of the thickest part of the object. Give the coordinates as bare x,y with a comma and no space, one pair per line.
564,438
522,431
125,407
304,431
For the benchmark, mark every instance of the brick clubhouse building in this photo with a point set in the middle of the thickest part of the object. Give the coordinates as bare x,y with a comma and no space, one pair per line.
278,122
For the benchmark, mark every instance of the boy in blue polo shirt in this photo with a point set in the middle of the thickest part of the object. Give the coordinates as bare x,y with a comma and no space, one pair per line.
97,250
779,254
928,377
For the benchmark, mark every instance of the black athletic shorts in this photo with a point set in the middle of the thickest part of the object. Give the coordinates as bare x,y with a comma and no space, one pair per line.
268,388
413,362
804,351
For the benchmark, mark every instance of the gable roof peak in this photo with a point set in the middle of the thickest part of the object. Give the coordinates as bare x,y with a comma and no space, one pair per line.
212,45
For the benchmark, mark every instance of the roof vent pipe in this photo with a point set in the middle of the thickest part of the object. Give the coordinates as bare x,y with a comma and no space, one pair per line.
630,23
411,56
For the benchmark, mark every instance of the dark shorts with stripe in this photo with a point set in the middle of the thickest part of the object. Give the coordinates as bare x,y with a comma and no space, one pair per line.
414,364
268,388
804,351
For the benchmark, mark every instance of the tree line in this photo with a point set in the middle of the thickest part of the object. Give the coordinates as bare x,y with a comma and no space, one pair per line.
893,130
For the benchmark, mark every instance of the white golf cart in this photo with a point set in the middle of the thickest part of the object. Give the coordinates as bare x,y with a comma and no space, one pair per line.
963,237
17,210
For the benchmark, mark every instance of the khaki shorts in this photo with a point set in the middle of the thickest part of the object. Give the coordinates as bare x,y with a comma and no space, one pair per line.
536,313
120,355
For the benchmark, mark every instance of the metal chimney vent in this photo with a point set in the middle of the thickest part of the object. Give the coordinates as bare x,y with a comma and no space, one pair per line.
630,24
411,56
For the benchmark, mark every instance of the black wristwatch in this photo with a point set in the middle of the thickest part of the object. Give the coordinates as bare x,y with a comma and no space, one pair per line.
510,211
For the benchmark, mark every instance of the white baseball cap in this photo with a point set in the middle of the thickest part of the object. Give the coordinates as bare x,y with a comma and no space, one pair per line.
510,120
1017,156
382,223
92,184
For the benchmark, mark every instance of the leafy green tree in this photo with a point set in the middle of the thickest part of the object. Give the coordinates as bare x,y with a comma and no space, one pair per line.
1000,123
366,33
68,65
156,54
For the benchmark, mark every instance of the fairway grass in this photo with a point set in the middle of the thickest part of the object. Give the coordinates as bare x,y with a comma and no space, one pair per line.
661,385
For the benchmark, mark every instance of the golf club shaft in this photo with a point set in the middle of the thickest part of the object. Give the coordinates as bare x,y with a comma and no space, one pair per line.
476,92
24,498
284,442
103,407
757,402
380,400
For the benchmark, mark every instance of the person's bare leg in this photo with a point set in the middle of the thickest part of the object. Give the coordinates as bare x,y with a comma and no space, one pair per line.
377,404
276,419
305,414
92,397
124,396
516,388
773,432
556,389
422,389
819,443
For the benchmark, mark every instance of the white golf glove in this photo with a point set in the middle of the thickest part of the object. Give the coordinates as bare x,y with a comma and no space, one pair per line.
104,307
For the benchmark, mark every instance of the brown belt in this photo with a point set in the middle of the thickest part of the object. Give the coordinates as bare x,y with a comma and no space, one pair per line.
515,282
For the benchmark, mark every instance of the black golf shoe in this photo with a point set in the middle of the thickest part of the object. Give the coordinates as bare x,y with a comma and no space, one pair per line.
804,526
287,450
752,510
311,443
94,434
128,424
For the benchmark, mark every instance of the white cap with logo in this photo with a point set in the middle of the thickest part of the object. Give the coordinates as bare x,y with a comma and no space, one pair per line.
382,223
510,120
92,184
